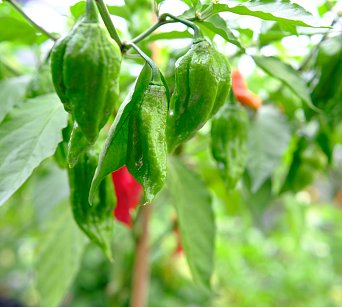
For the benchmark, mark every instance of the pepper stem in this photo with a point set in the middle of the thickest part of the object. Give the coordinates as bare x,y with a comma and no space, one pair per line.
197,33
91,13
154,67
107,21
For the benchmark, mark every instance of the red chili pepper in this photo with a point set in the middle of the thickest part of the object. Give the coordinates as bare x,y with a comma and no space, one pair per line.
128,193
242,93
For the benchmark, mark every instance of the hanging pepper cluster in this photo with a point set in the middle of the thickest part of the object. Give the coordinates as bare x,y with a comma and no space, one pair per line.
149,124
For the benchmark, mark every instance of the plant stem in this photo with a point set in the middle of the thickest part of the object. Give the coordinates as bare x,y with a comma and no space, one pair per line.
42,30
108,21
141,265
150,30
316,48
197,32
162,21
155,70
91,14
208,12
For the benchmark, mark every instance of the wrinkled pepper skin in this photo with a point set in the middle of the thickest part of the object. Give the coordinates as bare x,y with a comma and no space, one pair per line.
202,84
229,133
97,220
147,147
85,69
78,144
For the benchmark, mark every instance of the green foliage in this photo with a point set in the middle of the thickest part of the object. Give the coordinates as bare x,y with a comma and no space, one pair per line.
269,136
61,237
12,92
287,12
218,25
287,75
28,135
196,221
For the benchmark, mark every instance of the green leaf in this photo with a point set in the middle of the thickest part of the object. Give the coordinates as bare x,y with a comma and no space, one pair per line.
287,75
121,11
268,139
188,14
219,26
12,91
196,221
78,9
15,30
28,135
44,197
113,155
192,3
288,12
275,33
59,254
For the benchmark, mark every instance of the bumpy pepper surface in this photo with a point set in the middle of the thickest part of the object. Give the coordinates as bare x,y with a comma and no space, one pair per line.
85,69
203,81
97,220
229,142
147,147
78,144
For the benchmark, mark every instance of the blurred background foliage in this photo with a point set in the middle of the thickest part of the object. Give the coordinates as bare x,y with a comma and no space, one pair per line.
279,234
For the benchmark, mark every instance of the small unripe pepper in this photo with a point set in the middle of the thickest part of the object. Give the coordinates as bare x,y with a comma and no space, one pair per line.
203,82
85,70
95,220
229,142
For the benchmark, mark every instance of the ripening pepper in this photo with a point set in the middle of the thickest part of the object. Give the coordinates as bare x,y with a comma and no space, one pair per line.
85,69
229,142
128,193
242,93
202,84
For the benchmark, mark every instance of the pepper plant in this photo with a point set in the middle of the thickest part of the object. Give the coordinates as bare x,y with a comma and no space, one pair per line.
141,135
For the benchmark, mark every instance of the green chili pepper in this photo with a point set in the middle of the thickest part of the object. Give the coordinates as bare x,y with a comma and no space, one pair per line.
229,142
203,81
